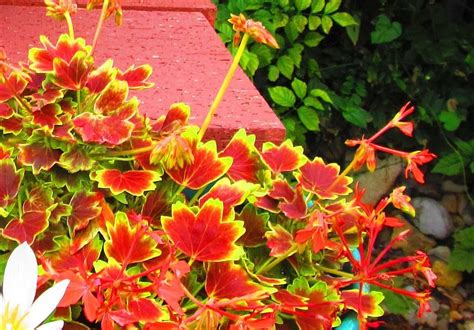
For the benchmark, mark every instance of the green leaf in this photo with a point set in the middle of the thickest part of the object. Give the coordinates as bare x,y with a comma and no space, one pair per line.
449,164
295,54
312,39
302,4
343,19
461,256
313,102
299,87
357,116
332,6
296,25
282,96
450,120
280,20
396,303
249,62
327,24
309,117
466,148
314,22
264,54
353,31
286,66
385,30
317,6
322,94
273,73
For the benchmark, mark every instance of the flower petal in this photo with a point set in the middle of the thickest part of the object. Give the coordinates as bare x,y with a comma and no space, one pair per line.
46,303
21,274
56,325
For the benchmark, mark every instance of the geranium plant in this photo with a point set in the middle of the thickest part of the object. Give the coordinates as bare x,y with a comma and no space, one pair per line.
156,229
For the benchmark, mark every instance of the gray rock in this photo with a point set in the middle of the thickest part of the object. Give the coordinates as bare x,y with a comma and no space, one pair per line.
450,186
432,218
440,252
380,183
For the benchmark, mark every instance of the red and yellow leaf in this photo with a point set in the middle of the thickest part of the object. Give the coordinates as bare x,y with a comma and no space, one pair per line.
231,194
204,236
136,77
72,75
11,125
41,59
111,130
283,158
133,182
26,228
177,116
255,226
6,111
47,116
39,156
101,77
12,85
75,159
111,98
365,304
322,304
226,280
145,310
323,180
128,243
205,168
246,161
279,240
10,180
85,207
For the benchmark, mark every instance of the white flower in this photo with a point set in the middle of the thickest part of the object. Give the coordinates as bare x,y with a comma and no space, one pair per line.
17,310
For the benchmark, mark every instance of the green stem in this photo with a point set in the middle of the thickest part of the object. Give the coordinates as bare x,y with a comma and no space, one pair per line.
131,152
70,27
268,266
99,25
78,97
197,195
334,272
224,86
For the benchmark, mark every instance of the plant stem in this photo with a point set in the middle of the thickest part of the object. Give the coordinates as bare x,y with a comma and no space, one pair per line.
268,266
224,86
100,24
70,27
197,195
131,152
334,271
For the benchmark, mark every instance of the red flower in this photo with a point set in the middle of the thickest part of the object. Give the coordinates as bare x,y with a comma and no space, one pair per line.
416,159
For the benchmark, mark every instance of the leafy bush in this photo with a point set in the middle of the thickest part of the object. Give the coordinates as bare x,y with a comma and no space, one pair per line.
290,74
406,49
152,228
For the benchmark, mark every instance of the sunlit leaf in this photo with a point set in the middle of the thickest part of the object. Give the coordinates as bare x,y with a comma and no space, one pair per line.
128,243
204,236
133,182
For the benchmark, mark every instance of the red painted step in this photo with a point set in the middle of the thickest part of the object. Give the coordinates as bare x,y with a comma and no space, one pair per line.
188,58
206,7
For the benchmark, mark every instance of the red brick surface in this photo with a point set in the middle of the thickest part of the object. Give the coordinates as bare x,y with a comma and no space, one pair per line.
188,58
203,6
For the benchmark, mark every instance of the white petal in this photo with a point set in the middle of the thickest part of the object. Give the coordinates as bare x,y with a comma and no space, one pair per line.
46,304
56,325
21,274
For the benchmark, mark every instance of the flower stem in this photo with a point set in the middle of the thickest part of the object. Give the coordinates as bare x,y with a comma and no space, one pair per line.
334,271
100,24
268,266
224,87
70,27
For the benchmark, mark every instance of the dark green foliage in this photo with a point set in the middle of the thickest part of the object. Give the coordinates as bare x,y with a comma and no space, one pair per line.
420,51
461,257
